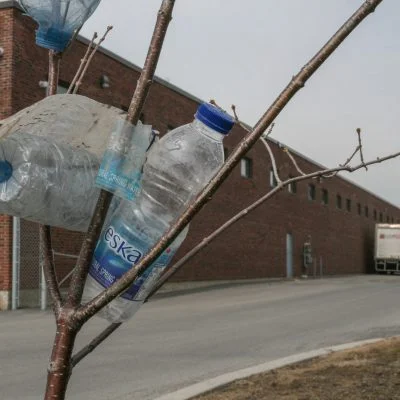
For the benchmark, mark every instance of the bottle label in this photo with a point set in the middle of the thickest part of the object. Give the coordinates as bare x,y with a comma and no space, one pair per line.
114,255
121,168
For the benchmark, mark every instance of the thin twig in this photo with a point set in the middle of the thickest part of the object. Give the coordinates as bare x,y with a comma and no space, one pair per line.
358,130
91,308
82,64
299,170
273,161
86,66
233,107
351,157
54,71
81,354
48,267
45,244
207,240
357,149
237,120
142,88
271,128
214,103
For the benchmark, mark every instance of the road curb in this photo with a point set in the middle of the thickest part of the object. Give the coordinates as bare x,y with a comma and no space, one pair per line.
210,384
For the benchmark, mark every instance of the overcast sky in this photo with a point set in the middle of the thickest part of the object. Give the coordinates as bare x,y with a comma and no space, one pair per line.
245,52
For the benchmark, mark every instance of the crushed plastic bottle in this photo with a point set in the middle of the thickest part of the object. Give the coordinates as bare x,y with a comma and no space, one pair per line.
58,20
50,155
47,182
178,167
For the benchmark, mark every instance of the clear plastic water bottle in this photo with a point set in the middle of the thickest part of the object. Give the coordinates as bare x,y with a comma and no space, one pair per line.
178,167
47,181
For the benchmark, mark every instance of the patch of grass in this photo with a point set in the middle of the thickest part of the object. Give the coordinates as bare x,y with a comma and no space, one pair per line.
369,372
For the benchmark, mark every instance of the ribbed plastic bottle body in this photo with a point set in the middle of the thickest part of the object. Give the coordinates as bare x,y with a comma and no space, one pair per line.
177,169
50,183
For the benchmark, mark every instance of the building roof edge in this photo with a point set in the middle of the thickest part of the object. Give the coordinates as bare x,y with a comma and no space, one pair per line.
129,64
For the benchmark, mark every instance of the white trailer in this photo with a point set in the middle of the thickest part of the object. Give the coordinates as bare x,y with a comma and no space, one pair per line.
387,248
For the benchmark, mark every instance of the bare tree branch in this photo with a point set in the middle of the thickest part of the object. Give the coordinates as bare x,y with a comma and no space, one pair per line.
150,65
81,354
214,103
298,169
87,311
142,88
237,120
48,267
54,71
269,130
273,162
45,245
358,130
301,172
82,64
207,240
86,65
357,149
351,157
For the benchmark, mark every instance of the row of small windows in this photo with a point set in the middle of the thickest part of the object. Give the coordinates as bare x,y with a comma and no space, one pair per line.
340,204
246,171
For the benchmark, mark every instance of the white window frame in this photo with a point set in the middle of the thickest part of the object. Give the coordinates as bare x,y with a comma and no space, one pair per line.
246,167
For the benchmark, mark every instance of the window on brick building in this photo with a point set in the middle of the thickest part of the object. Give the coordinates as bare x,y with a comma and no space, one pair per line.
339,201
387,219
380,217
170,127
375,215
246,167
292,186
366,211
311,192
325,196
272,180
358,208
62,88
348,205
392,220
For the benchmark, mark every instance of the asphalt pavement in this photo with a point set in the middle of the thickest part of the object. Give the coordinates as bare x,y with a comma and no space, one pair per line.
176,341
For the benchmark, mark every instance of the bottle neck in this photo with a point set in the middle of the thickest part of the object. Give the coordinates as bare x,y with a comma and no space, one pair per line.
203,129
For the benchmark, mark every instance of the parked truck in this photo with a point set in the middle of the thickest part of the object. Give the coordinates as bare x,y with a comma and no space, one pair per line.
387,248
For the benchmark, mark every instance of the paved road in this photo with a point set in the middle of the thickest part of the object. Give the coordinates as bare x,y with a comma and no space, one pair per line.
177,341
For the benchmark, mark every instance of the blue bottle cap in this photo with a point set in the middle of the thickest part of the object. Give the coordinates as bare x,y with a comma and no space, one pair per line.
6,171
214,118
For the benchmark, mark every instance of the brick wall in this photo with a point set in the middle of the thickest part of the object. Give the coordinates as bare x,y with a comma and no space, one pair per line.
255,247
6,78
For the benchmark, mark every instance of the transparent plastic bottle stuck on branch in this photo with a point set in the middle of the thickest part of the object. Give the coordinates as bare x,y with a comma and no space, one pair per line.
49,179
178,167
47,182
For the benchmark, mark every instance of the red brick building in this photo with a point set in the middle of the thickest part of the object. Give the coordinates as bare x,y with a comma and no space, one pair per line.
338,215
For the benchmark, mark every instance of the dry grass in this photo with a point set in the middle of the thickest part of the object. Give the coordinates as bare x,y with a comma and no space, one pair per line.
370,372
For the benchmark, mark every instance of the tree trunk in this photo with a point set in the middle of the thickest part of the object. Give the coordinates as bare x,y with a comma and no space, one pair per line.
60,362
